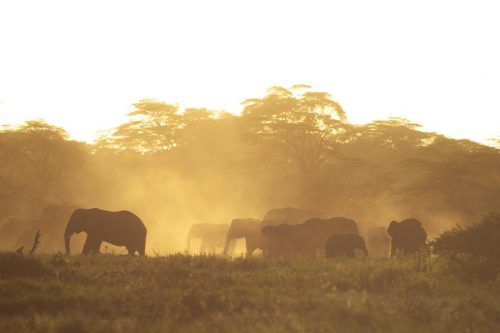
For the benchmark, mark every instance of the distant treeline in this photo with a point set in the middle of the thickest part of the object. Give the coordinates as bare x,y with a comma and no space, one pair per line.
293,147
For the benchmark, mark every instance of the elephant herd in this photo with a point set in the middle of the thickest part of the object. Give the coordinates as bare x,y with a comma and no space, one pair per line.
291,232
282,233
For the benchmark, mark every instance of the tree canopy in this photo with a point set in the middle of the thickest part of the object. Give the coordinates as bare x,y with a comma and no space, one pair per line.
292,147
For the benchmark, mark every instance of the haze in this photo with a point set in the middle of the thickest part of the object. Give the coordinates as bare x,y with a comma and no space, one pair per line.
81,65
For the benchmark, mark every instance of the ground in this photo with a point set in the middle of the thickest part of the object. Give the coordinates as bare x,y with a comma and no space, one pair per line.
180,293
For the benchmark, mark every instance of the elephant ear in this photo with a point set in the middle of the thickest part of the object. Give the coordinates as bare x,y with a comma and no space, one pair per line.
422,233
392,229
91,224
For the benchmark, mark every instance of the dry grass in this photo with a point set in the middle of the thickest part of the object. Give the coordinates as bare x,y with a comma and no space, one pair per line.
208,294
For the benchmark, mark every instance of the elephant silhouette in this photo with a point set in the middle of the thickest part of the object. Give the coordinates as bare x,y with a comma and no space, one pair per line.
407,236
307,239
244,228
289,215
287,240
121,228
344,245
211,236
321,229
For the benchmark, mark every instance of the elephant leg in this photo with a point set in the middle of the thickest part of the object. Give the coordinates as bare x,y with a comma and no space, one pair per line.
92,245
97,247
142,247
250,247
86,246
131,250
250,250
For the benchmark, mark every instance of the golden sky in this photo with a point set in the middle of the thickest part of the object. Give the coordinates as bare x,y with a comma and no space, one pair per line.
81,64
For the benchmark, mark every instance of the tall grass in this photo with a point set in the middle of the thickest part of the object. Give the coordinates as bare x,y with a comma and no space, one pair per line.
13,264
209,294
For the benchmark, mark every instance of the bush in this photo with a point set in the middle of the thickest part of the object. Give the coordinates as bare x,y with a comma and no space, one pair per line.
480,240
473,251
16,265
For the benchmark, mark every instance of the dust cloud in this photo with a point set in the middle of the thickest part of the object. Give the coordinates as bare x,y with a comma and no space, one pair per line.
294,147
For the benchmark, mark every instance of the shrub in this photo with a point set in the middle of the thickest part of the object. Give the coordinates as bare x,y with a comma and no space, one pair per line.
16,265
480,240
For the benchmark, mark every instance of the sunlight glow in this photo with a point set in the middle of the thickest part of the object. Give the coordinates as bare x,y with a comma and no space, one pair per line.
81,65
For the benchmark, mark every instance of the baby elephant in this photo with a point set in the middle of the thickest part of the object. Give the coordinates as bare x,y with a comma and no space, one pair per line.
343,245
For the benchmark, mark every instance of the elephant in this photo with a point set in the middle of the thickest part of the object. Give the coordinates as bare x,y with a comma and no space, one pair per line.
211,236
289,215
121,228
289,240
378,241
244,228
344,245
320,230
307,239
407,236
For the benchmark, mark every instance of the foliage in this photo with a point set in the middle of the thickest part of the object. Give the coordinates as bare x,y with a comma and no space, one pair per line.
176,166
39,166
152,128
16,265
480,240
300,125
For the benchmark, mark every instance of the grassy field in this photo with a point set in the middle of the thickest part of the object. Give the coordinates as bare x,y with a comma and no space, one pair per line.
208,294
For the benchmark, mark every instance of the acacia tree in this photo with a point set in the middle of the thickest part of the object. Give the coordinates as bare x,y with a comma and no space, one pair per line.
296,130
454,177
153,128
38,164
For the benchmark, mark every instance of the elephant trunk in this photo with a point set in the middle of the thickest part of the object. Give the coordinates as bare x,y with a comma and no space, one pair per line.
66,244
67,236
365,250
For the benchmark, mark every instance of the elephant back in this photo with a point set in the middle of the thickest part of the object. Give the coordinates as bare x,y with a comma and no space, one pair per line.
242,227
334,225
208,230
289,215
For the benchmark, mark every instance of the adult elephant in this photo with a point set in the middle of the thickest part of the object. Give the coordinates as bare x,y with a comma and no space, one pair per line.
244,228
344,245
121,228
319,230
287,240
307,239
407,236
211,236
289,215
